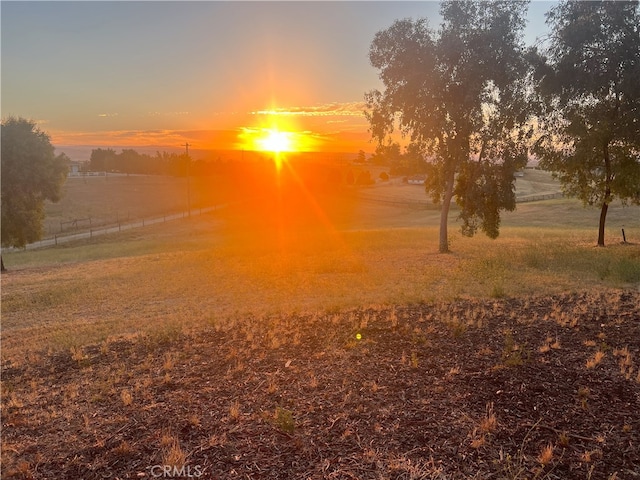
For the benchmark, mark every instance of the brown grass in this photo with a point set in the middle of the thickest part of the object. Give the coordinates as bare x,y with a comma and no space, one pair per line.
191,274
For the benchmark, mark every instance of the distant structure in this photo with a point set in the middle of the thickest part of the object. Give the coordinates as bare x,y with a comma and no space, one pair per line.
416,180
74,169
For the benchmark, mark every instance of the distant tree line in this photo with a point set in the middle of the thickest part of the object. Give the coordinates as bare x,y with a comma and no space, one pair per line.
237,172
162,163
130,161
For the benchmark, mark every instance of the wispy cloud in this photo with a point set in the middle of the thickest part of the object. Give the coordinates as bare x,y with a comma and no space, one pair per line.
107,115
167,114
202,139
351,109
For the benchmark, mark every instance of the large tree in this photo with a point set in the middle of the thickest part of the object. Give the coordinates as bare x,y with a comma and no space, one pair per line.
588,80
31,174
459,95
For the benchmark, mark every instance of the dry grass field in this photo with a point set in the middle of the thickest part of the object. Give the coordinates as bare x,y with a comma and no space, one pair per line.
233,345
124,198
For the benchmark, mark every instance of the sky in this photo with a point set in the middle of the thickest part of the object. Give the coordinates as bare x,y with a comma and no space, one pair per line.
217,75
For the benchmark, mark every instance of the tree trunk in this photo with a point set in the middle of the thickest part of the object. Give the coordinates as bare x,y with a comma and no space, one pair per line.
2,269
444,215
607,193
603,216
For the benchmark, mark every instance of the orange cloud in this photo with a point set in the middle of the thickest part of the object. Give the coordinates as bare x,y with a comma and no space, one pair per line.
329,109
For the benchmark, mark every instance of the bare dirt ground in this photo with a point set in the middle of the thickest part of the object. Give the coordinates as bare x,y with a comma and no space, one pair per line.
535,387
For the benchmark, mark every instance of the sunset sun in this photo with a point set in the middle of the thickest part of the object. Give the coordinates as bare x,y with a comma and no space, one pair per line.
277,135
276,141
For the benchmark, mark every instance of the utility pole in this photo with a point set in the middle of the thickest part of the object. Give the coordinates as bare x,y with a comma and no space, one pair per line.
186,145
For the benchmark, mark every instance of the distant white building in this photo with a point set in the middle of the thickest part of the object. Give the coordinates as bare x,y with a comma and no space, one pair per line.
74,169
416,180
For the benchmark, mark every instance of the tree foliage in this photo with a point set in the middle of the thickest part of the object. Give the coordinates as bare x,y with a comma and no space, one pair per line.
459,95
130,161
31,174
588,83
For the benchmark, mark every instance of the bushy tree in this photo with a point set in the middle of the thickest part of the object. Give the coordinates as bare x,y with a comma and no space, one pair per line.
386,154
102,160
588,80
459,95
31,174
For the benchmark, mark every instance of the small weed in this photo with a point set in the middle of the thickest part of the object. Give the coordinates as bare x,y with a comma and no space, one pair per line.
458,329
563,439
364,321
173,454
414,359
217,440
78,356
169,362
512,353
583,395
456,325
489,422
234,410
487,425
284,420
549,344
546,455
589,456
477,441
393,318
194,421
124,449
597,358
126,397
625,362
